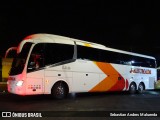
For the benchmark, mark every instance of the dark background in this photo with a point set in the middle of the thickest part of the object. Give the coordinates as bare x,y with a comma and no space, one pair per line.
128,25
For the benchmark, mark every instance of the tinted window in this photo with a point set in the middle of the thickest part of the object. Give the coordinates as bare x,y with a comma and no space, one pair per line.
44,54
20,60
55,53
143,62
36,60
93,54
87,53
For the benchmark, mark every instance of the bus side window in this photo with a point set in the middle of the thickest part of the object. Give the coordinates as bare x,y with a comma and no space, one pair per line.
36,59
58,53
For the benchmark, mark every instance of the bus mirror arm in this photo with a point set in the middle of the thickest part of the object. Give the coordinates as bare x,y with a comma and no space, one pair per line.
31,66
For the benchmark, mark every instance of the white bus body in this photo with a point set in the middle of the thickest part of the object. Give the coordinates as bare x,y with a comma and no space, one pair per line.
70,65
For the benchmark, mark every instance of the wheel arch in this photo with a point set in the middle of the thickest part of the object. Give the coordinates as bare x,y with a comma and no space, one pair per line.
133,82
62,82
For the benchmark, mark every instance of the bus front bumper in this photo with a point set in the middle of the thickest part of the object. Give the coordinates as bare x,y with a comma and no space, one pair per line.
13,88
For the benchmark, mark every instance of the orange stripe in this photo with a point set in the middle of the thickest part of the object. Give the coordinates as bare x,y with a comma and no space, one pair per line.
111,82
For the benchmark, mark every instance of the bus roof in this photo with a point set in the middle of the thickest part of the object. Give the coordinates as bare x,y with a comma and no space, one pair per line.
50,38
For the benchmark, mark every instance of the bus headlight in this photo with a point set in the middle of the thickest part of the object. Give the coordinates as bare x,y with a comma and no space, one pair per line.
19,83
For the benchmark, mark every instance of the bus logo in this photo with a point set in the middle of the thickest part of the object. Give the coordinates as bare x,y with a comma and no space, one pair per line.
140,71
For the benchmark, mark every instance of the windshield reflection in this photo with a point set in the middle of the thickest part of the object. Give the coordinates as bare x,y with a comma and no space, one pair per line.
20,60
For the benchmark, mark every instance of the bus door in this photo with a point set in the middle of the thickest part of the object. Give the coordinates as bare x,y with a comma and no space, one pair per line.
35,72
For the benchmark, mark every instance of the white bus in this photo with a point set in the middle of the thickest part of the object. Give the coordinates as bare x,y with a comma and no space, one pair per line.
56,65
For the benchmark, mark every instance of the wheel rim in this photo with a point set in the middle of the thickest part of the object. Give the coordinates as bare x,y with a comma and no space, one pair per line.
140,88
132,88
60,90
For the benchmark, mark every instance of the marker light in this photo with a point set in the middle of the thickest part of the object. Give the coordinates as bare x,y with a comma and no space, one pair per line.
19,83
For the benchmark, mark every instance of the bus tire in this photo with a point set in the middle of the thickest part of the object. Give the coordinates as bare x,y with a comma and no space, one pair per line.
141,88
59,90
132,88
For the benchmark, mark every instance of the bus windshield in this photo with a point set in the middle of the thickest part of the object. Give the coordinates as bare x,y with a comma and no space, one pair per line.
20,59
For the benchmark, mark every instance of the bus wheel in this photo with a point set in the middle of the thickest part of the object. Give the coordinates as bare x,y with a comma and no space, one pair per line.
141,88
132,88
59,90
